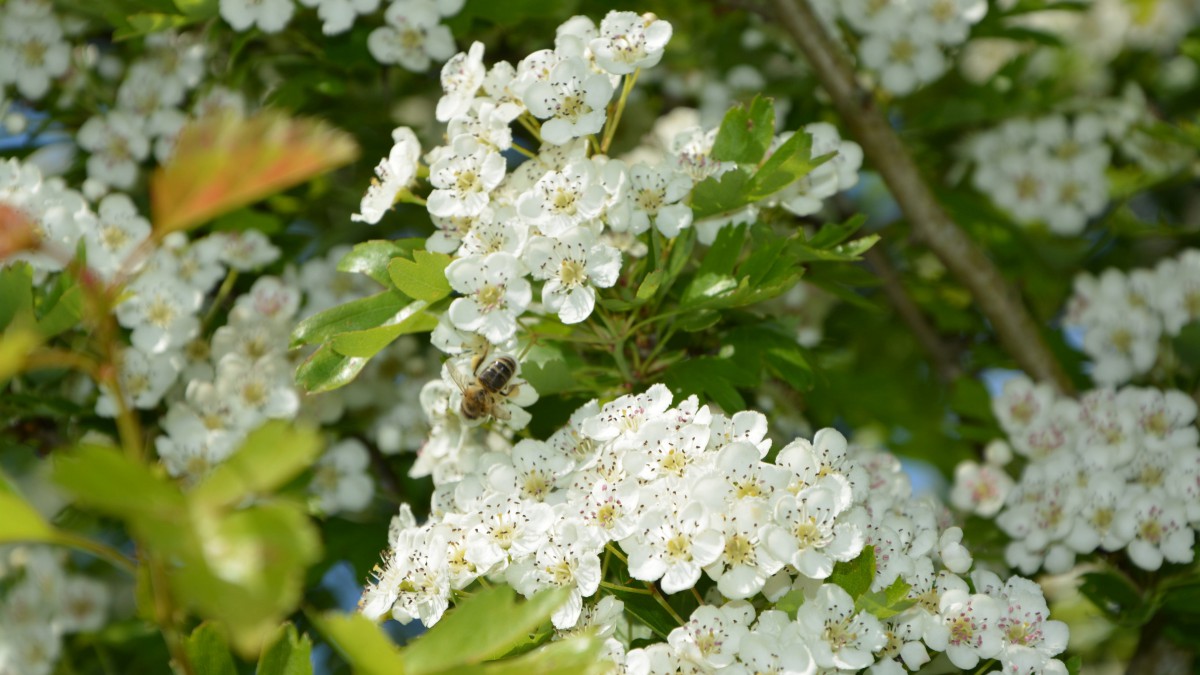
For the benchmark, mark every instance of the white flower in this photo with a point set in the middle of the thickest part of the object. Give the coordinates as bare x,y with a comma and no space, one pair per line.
247,250
462,76
805,196
464,178
161,310
261,389
32,52
980,489
118,143
653,197
338,16
505,529
495,291
628,41
904,53
841,638
969,628
712,635
144,378
269,15
117,234
1157,529
673,545
572,266
412,37
745,563
565,561
560,200
341,480
394,173
83,605
572,101
806,533
954,555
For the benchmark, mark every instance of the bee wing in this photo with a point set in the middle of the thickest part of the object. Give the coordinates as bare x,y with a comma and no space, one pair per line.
463,381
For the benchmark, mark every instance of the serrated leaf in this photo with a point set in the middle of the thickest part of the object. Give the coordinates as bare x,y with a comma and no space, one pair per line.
423,277
746,132
372,257
208,652
855,576
578,655
470,634
288,653
326,370
223,162
721,194
790,162
362,643
712,378
886,603
271,455
723,254
705,288
356,315
367,343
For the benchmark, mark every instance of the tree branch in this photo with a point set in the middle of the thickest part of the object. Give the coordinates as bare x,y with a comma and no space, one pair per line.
939,353
996,299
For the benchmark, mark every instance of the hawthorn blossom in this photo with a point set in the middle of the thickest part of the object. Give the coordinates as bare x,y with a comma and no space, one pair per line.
572,101
462,76
270,16
654,197
394,174
495,294
572,266
413,36
629,41
464,178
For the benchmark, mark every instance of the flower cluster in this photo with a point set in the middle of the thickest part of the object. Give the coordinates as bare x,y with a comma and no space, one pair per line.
1125,316
556,225
684,497
33,50
42,603
905,41
1050,170
1115,470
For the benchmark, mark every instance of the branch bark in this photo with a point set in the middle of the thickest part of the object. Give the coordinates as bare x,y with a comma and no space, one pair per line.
995,297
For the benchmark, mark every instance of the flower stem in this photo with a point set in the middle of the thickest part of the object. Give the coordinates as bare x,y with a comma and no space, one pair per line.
610,129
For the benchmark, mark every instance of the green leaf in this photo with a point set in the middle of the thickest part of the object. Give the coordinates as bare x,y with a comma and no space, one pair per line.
706,288
361,314
1117,597
723,255
369,342
63,314
248,219
746,133
790,602
149,22
101,477
16,292
832,234
855,576
198,9
372,257
288,653
1187,344
271,455
574,656
423,277
694,322
362,643
326,370
721,194
712,378
1074,665
15,347
21,522
790,162
471,633
208,652
887,603
546,369
650,285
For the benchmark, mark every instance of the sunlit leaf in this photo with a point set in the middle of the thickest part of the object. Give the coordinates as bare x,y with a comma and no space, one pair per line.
208,652
423,277
224,162
362,643
288,653
270,456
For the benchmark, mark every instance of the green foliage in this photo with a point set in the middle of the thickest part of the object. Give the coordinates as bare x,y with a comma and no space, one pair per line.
288,653
468,639
208,651
423,277
241,566
372,258
855,576
21,521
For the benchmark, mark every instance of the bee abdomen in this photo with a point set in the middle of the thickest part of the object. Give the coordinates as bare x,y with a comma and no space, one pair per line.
495,375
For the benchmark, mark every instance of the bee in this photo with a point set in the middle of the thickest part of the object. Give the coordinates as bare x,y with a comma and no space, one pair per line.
486,388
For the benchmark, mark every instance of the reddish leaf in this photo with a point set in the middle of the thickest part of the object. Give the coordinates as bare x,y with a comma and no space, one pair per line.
223,162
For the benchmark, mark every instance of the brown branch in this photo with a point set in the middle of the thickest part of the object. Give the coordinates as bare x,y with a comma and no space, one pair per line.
940,354
999,302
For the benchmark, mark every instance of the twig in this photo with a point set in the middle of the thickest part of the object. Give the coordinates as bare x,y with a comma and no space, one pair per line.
999,302
941,354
